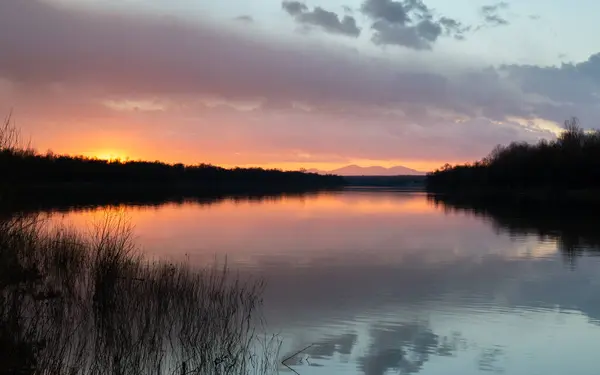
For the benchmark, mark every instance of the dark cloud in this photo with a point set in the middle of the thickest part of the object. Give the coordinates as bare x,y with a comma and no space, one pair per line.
565,90
568,83
387,10
429,30
409,23
389,34
324,19
294,7
453,28
491,14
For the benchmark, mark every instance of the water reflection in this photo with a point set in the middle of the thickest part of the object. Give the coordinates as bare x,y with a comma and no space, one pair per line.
387,282
573,225
404,348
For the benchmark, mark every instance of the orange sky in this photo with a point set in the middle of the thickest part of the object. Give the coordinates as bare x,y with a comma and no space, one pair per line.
125,148
120,84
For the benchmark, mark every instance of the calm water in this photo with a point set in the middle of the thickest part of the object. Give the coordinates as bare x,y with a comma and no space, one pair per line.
393,283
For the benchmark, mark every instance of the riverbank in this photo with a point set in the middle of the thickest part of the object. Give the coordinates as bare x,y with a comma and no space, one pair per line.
64,298
591,195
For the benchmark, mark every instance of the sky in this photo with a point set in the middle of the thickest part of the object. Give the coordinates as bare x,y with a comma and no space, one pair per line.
296,84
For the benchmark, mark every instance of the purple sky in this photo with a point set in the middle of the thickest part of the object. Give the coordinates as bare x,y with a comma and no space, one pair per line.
377,82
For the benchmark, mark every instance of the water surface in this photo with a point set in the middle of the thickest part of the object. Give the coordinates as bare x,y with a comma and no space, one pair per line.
382,282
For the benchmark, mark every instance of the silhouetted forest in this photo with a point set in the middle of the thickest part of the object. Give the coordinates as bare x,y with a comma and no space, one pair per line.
19,167
571,162
27,172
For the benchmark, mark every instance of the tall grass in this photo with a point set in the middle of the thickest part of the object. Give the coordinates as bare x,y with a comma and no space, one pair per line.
75,303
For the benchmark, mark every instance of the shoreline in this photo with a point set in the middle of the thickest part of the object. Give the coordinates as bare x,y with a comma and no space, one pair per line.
541,194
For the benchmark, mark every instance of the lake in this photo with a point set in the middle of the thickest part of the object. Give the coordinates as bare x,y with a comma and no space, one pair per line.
384,282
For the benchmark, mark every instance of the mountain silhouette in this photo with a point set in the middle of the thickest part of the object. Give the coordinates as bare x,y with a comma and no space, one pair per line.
355,170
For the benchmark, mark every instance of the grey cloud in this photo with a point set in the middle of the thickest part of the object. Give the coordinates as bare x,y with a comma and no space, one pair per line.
118,54
409,23
69,54
387,10
491,14
418,9
495,20
429,30
389,34
494,7
404,348
453,27
568,83
294,7
326,20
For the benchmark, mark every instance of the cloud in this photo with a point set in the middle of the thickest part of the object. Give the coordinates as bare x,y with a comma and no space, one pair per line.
324,19
61,65
568,83
409,23
491,14
453,28
294,8
393,12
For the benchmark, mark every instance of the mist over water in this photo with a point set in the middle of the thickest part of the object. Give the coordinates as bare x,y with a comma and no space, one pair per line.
381,282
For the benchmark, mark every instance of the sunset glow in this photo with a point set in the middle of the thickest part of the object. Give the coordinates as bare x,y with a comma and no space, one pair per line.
273,97
107,155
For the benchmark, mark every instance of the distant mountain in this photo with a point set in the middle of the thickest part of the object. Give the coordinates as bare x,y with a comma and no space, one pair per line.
355,170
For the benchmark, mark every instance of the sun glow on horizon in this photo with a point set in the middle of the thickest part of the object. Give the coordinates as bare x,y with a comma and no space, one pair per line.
129,148
110,155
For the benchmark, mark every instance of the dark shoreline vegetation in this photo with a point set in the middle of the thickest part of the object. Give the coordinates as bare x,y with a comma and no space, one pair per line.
568,167
90,303
27,172
75,304
24,169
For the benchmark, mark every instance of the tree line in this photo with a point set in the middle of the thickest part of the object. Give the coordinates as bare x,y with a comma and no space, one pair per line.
23,167
570,162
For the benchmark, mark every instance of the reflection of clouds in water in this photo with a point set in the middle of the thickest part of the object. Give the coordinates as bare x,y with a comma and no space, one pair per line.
489,360
404,348
344,264
325,349
323,292
340,344
491,291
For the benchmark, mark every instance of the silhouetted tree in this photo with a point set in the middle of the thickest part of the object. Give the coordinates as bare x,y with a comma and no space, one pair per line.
572,161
